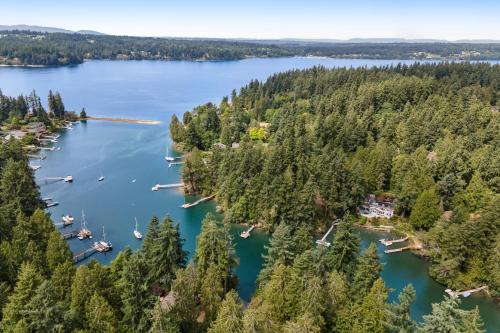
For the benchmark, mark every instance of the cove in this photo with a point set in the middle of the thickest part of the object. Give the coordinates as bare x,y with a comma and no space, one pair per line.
127,152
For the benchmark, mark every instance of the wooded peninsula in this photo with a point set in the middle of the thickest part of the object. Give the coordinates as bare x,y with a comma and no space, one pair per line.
290,155
27,48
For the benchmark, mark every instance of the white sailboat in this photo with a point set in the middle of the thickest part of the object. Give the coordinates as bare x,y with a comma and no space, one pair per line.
101,178
137,234
103,245
84,230
169,158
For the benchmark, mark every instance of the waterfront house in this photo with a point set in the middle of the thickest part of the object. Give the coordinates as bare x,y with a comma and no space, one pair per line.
377,208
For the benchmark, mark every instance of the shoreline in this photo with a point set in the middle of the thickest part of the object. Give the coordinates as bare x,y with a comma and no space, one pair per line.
125,120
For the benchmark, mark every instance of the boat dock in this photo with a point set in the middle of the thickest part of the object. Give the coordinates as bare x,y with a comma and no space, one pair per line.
465,293
174,163
388,242
245,234
323,240
49,202
71,234
164,186
67,179
405,248
84,254
197,202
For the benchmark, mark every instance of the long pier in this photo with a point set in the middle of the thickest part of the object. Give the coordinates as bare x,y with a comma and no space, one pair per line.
323,241
388,242
245,234
67,179
401,249
175,163
465,293
71,234
197,202
164,186
84,254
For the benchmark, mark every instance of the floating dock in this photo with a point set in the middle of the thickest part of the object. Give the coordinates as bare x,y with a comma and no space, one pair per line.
323,240
174,163
158,187
465,293
389,242
67,179
245,234
405,248
197,202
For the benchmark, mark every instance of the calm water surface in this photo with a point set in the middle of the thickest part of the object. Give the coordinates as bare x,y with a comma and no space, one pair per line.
127,152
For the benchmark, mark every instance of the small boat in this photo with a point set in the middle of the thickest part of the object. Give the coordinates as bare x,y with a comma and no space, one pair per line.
100,179
137,234
68,179
67,219
134,180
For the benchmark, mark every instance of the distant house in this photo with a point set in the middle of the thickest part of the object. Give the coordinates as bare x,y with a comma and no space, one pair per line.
37,128
220,145
16,134
373,208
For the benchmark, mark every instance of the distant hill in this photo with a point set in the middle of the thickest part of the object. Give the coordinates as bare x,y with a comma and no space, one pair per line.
36,28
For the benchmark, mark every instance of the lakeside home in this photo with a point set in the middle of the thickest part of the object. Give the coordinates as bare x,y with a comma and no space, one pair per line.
377,208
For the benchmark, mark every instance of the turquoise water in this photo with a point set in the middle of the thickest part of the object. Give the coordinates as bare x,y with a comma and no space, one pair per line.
127,152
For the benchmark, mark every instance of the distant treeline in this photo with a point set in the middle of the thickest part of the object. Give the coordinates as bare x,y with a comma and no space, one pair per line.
52,49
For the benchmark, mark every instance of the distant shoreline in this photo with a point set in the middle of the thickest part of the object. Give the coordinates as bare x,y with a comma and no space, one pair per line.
125,120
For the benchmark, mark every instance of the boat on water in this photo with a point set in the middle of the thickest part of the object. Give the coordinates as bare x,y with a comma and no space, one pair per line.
68,179
137,234
84,230
100,179
67,219
169,158
103,245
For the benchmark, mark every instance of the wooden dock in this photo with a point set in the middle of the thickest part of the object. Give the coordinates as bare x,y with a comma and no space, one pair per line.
245,234
158,187
388,242
197,202
323,241
71,234
405,248
84,254
465,293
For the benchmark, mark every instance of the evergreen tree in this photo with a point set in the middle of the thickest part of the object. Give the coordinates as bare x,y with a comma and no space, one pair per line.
279,251
367,272
214,248
165,256
304,324
134,291
425,212
18,190
100,316
399,313
447,317
230,316
28,281
44,312
160,322
345,248
58,251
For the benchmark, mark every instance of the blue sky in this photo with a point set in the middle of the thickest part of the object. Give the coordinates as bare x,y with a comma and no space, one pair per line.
444,19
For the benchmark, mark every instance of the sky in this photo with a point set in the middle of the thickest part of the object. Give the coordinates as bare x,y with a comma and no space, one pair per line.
313,19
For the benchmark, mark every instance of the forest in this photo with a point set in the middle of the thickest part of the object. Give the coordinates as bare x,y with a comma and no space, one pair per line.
52,49
303,148
307,140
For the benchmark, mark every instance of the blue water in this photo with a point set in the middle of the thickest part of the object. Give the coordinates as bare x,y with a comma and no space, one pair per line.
124,152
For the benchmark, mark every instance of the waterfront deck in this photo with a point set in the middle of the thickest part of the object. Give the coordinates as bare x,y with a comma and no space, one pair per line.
197,202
